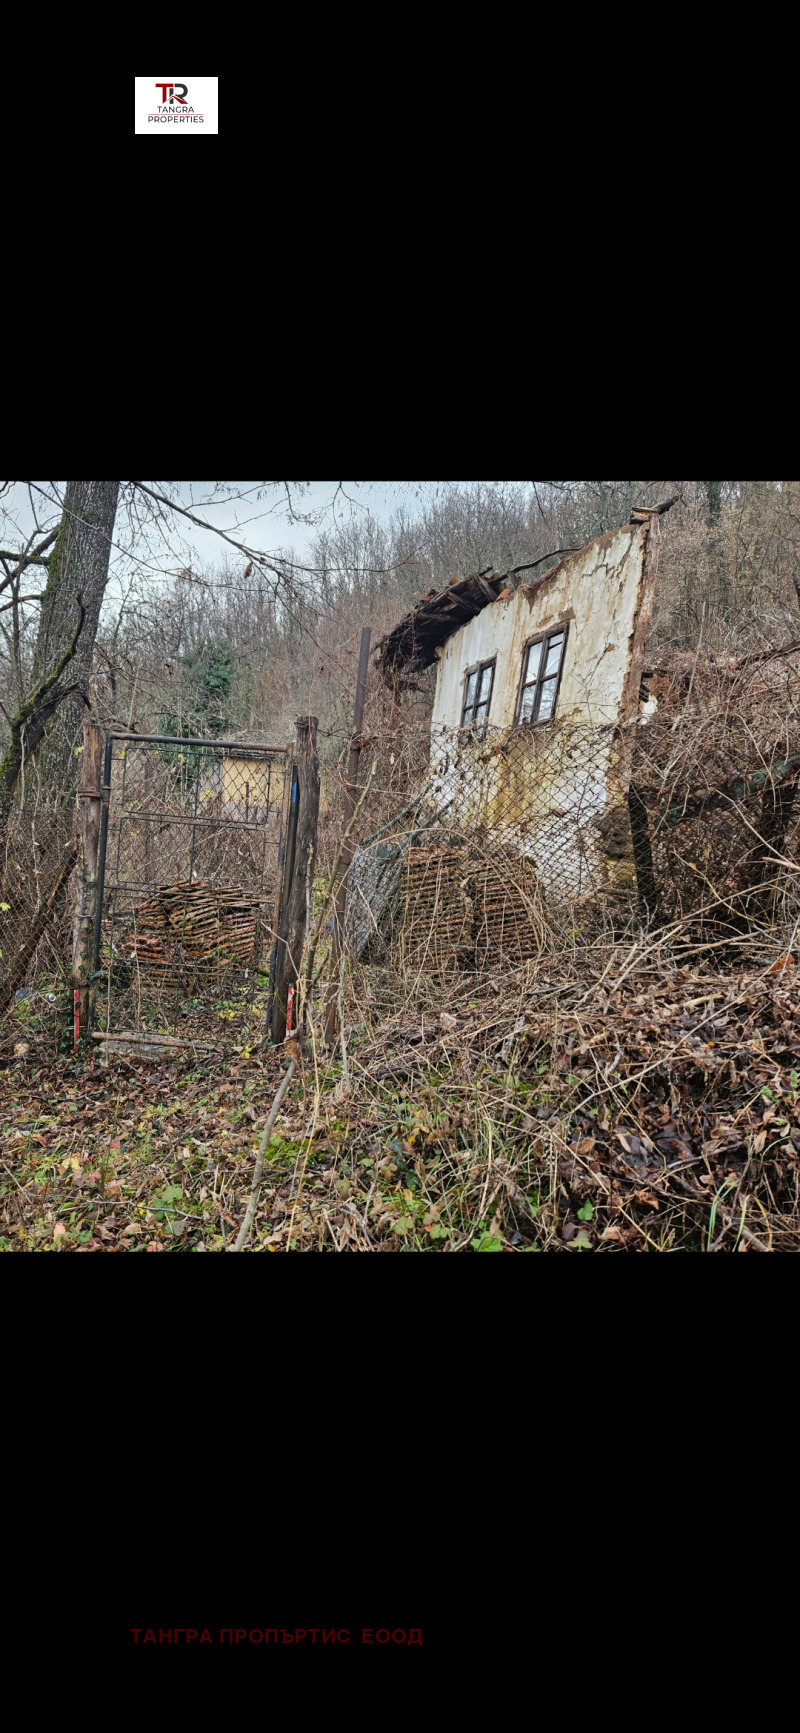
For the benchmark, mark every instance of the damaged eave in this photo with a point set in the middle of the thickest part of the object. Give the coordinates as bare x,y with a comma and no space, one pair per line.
413,643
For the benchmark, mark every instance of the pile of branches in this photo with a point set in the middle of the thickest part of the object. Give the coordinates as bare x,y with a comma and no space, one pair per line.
37,854
637,1103
715,775
194,923
684,1106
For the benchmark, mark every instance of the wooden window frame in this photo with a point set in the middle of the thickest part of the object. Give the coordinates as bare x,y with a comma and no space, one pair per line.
533,721
479,725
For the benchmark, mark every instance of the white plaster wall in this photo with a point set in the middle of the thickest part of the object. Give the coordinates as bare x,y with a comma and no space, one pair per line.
538,789
597,590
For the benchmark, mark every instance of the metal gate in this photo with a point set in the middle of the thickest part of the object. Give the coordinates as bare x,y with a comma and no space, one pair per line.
192,845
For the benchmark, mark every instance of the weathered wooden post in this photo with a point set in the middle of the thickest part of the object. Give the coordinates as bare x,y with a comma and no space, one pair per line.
649,517
88,840
348,808
300,850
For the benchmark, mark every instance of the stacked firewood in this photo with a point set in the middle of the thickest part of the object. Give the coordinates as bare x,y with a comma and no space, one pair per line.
192,927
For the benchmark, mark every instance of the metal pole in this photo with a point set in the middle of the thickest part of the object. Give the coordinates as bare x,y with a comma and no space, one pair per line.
348,808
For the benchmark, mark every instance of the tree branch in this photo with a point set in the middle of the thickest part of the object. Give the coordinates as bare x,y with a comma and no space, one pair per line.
259,1167
736,790
32,716
241,547
18,601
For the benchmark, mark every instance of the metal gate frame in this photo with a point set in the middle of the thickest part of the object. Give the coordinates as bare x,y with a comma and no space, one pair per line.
286,839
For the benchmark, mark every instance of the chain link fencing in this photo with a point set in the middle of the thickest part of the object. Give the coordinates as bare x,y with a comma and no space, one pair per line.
191,883
37,854
472,846
499,835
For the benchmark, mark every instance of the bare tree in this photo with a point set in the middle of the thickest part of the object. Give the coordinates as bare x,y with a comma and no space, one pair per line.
51,713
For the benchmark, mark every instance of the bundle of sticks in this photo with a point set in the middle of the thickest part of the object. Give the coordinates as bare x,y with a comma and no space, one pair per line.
194,924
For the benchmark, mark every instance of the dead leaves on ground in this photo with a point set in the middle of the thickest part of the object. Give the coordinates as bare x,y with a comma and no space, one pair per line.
689,1088
663,1113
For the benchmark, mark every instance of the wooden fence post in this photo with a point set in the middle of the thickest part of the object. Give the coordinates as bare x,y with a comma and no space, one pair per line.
88,841
298,856
348,808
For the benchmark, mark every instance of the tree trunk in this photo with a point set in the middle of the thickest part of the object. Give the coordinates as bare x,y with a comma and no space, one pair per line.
78,566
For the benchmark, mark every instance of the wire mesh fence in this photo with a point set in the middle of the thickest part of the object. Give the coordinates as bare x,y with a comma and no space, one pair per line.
474,845
714,800
192,871
508,829
37,853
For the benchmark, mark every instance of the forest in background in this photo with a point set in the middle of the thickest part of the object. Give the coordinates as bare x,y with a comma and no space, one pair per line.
214,650
428,1128
231,648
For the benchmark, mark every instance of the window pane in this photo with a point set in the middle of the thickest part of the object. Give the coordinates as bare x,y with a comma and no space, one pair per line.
527,703
486,681
471,684
547,699
554,654
534,658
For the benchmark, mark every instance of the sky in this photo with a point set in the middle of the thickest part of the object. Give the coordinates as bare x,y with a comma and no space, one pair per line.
277,521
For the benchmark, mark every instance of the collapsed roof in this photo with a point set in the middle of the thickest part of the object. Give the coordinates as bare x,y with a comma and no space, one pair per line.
412,643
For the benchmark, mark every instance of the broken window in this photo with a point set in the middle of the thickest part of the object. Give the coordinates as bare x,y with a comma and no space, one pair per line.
541,672
478,695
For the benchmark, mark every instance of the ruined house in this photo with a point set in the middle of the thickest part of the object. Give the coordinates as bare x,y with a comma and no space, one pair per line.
539,690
